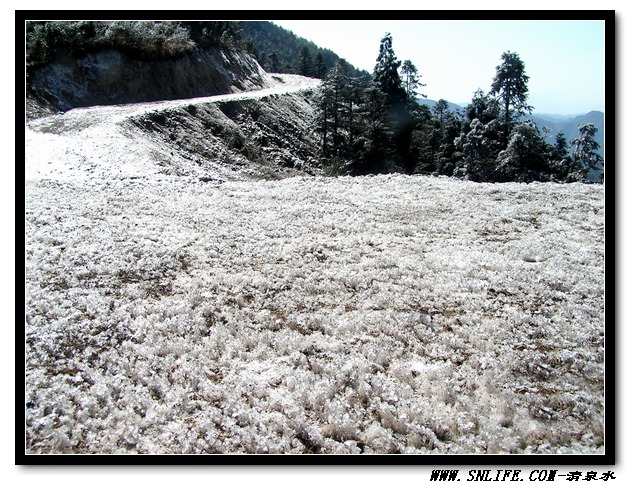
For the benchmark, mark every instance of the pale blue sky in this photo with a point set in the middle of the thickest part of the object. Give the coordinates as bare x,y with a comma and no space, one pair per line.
564,59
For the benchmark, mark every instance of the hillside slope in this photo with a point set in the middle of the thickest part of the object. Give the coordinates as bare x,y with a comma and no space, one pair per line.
110,77
225,137
269,39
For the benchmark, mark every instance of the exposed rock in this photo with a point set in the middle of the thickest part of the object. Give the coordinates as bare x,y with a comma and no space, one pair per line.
111,77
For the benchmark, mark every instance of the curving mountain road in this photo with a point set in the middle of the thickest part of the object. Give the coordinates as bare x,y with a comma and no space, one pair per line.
82,142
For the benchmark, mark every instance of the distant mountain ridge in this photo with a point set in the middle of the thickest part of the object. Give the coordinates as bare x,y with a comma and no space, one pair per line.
451,106
556,117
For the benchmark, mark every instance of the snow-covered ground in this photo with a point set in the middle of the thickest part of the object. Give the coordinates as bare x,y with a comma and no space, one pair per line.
306,315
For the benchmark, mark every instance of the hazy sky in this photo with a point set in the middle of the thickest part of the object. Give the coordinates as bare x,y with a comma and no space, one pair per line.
564,59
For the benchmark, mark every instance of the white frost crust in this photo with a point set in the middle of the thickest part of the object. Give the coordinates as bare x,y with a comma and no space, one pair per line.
378,315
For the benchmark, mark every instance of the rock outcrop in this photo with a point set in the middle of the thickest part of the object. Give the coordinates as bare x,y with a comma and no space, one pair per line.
111,77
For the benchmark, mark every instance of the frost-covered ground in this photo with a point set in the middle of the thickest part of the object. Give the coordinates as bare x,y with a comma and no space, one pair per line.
384,314
307,315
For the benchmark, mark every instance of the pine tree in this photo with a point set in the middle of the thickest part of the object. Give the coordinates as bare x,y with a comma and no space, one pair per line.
305,64
446,128
584,151
386,74
373,147
337,81
251,48
478,144
441,111
482,107
411,80
274,62
337,106
424,145
562,166
479,147
323,110
320,66
526,157
353,98
387,79
561,147
510,86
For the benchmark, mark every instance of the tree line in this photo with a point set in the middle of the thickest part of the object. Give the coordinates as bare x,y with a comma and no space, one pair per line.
275,49
374,124
281,51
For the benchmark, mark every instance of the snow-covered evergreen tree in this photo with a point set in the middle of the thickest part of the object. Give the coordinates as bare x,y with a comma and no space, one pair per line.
336,119
479,148
526,157
584,151
510,86
562,165
373,146
482,107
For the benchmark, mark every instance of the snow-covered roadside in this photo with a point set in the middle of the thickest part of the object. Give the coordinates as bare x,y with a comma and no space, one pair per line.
98,142
380,314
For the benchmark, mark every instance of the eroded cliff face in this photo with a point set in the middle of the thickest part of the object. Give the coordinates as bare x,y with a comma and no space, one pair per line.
111,77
